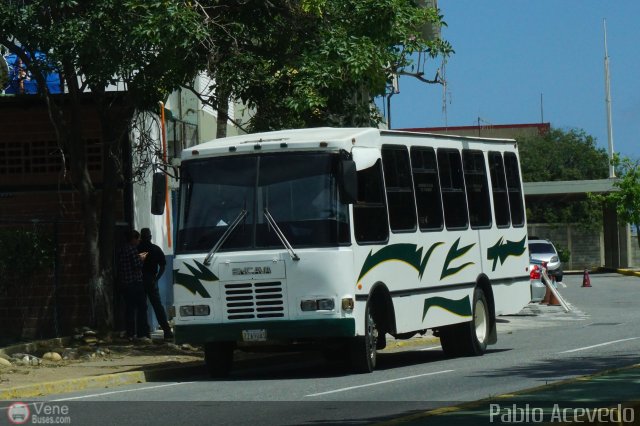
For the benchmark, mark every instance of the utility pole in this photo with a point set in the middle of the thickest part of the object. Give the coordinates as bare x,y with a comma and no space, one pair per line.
607,88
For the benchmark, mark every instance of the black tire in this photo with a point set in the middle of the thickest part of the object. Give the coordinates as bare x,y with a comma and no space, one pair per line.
469,338
218,357
363,348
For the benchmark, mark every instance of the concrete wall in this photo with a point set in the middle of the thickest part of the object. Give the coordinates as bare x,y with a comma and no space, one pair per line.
587,246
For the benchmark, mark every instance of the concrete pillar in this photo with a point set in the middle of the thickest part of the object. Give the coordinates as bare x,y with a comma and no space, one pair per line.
611,238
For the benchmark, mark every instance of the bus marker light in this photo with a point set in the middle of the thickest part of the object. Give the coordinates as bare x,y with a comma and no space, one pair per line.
348,304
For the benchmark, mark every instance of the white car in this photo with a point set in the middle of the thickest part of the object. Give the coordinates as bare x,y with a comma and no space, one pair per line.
544,251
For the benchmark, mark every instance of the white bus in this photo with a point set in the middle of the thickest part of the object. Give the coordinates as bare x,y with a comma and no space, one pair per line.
339,236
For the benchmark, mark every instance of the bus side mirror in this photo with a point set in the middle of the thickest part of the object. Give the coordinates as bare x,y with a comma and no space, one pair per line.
348,182
158,193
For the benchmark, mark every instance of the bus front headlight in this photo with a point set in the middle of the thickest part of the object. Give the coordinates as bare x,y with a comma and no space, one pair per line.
195,310
323,304
326,304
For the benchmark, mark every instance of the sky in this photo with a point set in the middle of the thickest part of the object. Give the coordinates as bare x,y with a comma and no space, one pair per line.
514,56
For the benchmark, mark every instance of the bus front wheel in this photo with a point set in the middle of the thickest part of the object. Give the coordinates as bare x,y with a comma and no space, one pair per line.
363,348
218,357
469,338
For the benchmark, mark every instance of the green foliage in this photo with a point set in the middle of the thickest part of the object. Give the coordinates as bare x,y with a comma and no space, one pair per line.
24,252
627,199
560,156
107,41
563,253
316,62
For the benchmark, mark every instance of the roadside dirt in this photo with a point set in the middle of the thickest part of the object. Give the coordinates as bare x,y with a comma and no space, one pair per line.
118,356
113,358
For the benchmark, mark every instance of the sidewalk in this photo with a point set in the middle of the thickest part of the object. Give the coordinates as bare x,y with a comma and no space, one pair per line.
116,363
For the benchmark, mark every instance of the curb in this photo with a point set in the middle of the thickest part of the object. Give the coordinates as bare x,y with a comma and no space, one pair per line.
629,272
96,382
140,376
398,344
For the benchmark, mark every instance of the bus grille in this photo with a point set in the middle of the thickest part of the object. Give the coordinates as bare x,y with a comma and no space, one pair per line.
254,300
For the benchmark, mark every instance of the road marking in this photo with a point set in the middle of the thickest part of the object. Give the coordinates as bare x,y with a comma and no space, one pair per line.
121,391
379,383
597,346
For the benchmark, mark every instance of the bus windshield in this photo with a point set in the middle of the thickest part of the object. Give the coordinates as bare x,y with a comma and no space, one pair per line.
300,191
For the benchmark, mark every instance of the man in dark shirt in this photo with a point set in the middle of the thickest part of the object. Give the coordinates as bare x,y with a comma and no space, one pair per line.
130,272
152,270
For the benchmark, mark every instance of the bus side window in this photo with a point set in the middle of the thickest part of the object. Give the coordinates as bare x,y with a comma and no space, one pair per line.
499,190
370,213
515,188
475,178
427,188
453,193
397,179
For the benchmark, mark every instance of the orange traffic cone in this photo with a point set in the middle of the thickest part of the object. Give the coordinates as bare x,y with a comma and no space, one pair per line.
586,281
553,300
547,296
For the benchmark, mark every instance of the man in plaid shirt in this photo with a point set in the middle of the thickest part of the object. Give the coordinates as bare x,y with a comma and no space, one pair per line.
130,272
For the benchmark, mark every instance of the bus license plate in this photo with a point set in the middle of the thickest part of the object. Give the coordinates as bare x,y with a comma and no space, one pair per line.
254,335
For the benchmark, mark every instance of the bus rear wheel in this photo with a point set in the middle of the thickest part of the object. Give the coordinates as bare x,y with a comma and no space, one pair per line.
218,357
363,348
469,338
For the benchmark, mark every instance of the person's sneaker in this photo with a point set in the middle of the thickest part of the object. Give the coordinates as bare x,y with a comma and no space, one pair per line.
144,340
168,335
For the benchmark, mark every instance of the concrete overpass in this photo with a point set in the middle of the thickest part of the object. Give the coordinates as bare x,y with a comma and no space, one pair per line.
617,236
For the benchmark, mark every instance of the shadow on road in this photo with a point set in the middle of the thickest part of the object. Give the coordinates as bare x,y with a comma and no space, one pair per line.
553,369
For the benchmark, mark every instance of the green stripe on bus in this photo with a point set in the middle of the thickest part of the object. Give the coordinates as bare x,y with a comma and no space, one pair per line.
283,329
408,253
461,307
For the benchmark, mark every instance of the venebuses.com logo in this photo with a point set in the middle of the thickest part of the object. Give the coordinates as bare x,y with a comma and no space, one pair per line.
18,413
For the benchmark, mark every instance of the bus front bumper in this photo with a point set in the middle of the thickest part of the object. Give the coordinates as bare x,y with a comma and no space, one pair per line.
274,330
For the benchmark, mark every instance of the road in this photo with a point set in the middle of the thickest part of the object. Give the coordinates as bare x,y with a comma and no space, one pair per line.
599,333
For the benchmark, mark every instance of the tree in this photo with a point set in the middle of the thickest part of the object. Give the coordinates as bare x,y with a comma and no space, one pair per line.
563,155
296,63
93,44
314,62
626,200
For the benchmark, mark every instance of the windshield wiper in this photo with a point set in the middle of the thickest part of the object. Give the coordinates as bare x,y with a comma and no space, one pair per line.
225,236
280,234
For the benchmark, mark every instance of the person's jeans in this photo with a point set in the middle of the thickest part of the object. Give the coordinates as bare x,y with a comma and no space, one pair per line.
151,289
136,310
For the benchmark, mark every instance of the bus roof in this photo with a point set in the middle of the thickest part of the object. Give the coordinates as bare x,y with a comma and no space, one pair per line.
313,138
